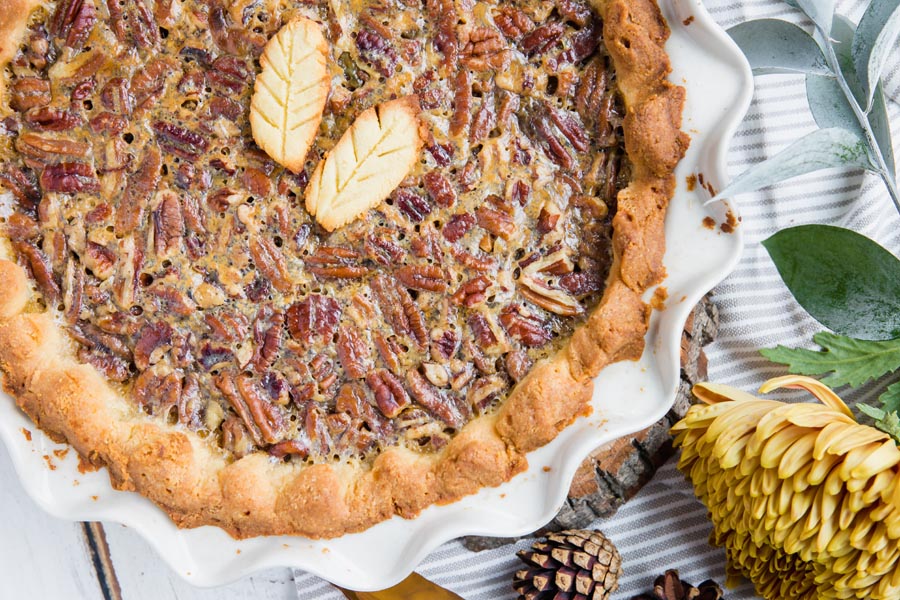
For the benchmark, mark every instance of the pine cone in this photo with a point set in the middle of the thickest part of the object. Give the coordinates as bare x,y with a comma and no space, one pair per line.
569,565
671,587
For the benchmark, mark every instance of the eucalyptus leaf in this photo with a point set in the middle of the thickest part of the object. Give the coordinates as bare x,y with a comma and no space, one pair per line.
830,106
821,149
776,46
844,280
875,37
820,12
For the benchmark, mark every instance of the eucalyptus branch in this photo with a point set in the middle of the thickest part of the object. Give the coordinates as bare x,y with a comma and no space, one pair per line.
841,67
862,117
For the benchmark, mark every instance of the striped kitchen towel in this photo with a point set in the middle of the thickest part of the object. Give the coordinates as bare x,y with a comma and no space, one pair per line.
665,526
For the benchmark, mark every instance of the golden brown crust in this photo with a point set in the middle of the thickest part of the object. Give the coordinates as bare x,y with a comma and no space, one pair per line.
257,495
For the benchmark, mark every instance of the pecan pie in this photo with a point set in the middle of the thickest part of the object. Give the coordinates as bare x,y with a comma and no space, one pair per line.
171,308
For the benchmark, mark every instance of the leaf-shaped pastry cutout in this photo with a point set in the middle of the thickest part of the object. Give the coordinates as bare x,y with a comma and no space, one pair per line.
290,92
367,163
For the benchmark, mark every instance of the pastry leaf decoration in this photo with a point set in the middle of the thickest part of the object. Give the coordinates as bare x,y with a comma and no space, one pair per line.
843,66
289,93
844,280
368,162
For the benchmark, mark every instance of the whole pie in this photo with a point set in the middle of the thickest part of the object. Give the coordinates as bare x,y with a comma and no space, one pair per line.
218,285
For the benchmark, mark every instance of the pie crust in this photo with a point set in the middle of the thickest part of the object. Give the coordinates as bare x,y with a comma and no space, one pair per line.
256,495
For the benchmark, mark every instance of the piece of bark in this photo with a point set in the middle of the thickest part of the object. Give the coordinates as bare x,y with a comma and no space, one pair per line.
616,471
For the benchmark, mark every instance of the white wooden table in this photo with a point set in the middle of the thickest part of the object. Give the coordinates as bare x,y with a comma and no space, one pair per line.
45,558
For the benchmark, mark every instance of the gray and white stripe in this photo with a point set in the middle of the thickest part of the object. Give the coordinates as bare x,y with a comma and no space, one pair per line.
665,526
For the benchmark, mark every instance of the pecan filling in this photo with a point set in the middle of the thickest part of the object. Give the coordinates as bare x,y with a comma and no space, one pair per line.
184,266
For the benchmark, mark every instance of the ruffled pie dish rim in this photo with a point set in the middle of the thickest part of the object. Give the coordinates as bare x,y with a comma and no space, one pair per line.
436,524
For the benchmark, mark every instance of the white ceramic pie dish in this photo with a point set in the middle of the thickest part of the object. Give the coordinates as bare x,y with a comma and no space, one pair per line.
628,397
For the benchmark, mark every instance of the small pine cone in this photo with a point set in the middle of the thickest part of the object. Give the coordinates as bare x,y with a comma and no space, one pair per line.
671,587
569,565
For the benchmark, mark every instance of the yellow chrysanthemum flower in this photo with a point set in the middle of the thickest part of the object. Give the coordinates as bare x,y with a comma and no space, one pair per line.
804,499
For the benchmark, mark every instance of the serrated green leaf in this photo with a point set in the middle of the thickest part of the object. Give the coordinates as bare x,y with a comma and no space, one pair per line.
890,398
844,280
820,12
873,42
890,424
821,149
871,411
776,46
831,108
850,361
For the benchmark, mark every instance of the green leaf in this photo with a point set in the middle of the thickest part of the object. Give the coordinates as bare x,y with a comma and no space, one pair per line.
850,361
831,108
890,398
821,149
820,12
890,424
776,46
873,42
871,411
844,280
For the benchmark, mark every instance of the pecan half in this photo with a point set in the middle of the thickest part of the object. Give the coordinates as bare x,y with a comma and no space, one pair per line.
172,299
168,224
116,96
270,261
399,309
485,49
268,342
462,103
517,365
374,45
28,93
316,317
353,352
381,247
52,119
23,187
69,178
542,39
428,278
335,262
153,341
471,292
138,191
149,83
513,22
443,13
230,74
133,23
73,21
182,142
411,204
388,350
434,401
227,326
100,260
522,325
50,149
496,222
555,300
37,263
439,189
262,419
457,227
